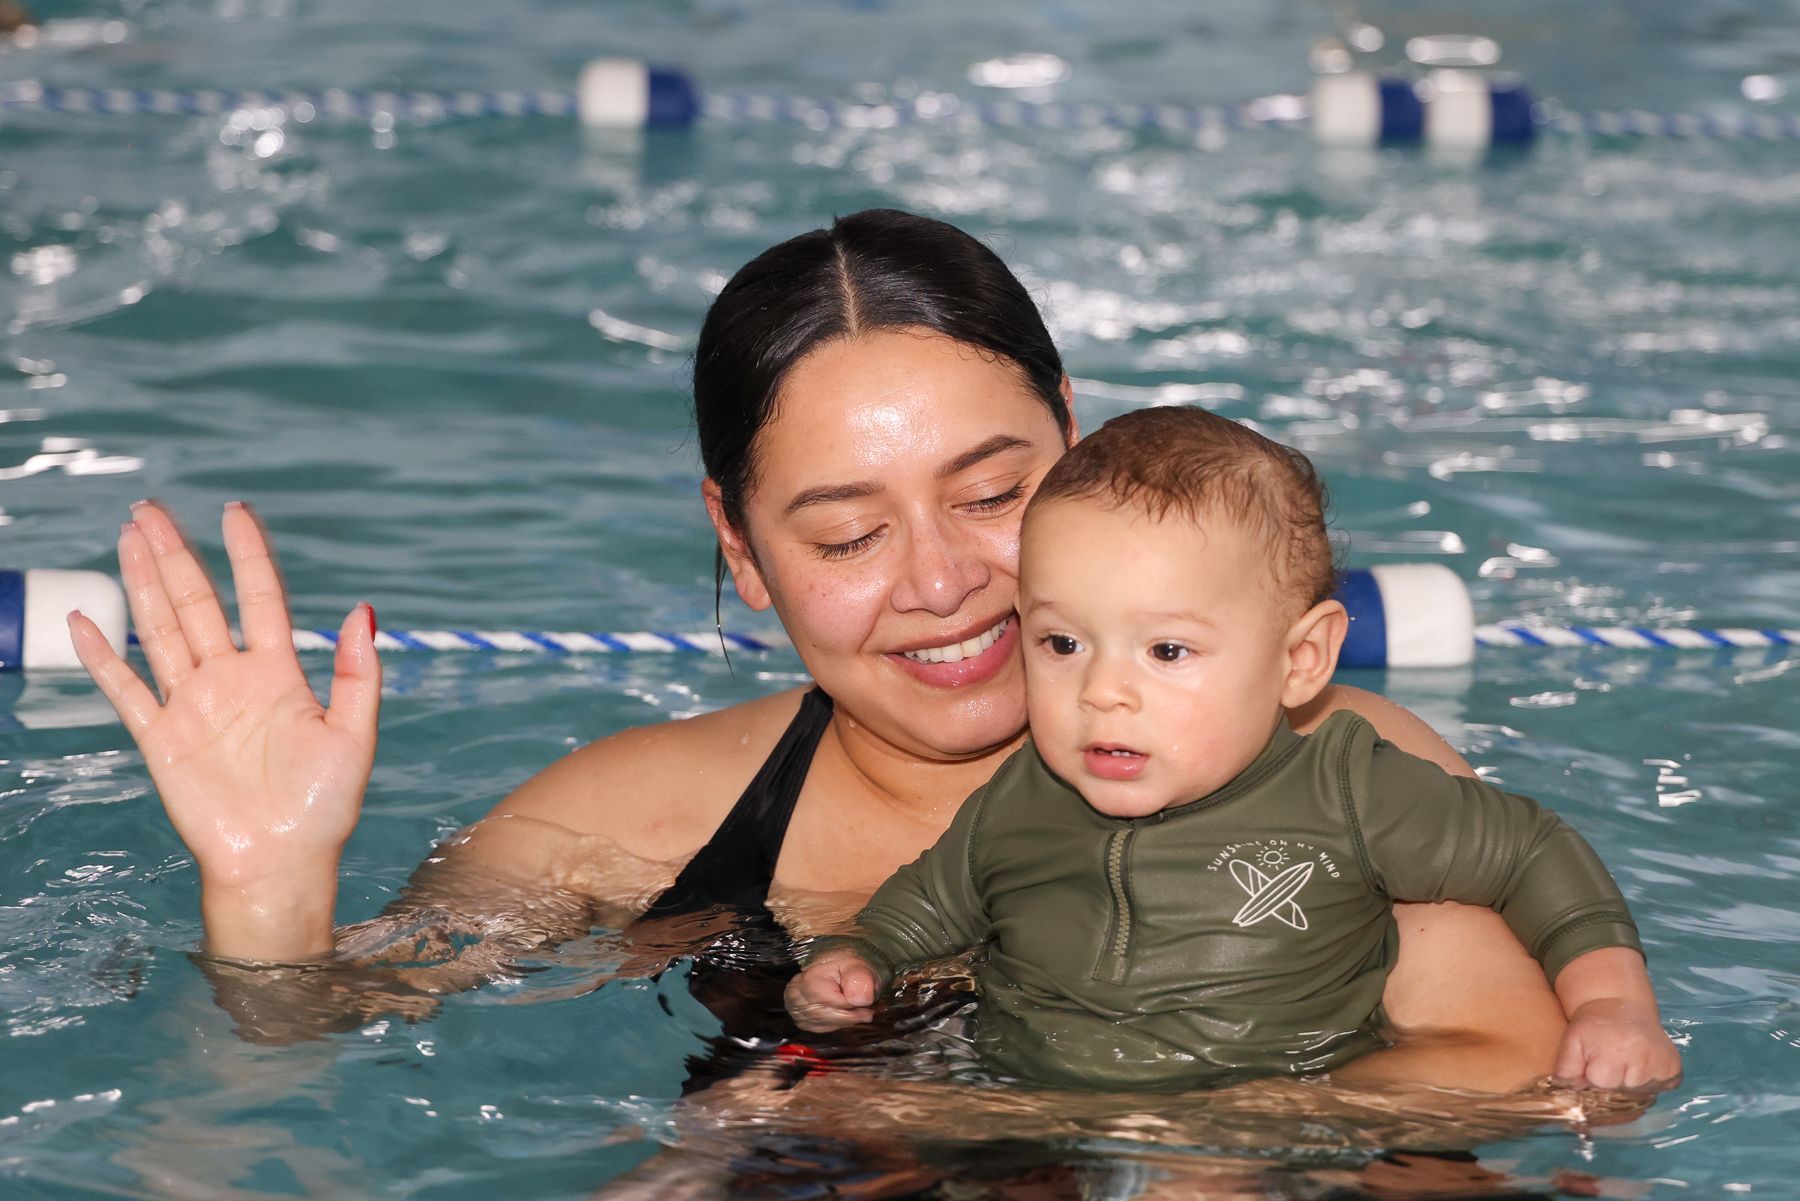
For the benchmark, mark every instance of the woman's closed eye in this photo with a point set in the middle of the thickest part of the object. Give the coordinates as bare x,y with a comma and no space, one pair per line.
843,550
999,500
983,504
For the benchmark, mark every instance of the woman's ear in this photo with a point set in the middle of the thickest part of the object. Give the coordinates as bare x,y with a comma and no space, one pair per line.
1313,643
746,577
1072,434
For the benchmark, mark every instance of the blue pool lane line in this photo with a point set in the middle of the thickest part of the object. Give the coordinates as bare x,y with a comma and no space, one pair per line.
1456,108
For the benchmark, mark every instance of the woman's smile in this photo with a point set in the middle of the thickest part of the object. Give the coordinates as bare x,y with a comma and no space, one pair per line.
958,663
956,650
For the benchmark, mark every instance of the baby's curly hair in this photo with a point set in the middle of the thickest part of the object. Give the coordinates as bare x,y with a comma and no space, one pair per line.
1198,464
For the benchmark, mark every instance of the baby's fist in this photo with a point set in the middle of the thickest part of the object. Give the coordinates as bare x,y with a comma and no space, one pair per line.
836,990
1615,1044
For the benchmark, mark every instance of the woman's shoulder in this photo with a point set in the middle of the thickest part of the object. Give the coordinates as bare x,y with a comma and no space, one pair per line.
1392,723
659,790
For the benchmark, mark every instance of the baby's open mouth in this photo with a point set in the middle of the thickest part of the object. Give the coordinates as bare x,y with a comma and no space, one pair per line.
1110,761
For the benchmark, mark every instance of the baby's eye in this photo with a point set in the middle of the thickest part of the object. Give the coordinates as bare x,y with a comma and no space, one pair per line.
1061,644
1169,652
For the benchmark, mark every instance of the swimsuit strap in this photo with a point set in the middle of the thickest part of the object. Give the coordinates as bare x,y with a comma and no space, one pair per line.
737,865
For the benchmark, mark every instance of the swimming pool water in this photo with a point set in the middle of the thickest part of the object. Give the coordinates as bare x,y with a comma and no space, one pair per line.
447,363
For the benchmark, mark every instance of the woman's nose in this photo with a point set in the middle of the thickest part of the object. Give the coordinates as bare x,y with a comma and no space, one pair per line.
943,568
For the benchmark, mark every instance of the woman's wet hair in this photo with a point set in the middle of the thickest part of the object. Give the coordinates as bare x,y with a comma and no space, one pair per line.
879,269
1196,466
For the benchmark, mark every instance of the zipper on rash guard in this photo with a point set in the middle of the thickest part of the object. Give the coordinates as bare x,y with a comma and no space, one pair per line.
1113,960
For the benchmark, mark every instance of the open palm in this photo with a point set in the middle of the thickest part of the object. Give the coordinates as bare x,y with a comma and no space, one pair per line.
262,782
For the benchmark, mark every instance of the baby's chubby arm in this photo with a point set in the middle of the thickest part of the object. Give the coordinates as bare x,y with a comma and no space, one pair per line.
1432,837
929,909
1615,1037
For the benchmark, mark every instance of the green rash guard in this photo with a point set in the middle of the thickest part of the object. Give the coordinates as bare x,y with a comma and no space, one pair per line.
1249,932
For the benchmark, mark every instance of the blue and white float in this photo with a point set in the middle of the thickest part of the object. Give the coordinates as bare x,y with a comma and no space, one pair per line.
34,608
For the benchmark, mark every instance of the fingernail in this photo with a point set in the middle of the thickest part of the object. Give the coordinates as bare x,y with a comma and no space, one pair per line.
127,527
371,609
235,504
138,504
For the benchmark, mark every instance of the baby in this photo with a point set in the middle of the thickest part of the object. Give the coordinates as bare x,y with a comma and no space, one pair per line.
1175,888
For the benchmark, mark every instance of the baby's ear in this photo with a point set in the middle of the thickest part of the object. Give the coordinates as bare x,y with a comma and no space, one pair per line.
1313,643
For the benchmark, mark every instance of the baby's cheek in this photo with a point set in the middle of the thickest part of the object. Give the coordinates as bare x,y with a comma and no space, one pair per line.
1053,726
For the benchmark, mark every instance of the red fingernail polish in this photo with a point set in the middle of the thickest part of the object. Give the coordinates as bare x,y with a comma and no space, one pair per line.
371,609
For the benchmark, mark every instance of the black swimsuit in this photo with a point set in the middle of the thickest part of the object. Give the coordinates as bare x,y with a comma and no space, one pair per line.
736,867
742,972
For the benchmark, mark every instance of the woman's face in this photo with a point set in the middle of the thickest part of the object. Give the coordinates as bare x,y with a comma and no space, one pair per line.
883,526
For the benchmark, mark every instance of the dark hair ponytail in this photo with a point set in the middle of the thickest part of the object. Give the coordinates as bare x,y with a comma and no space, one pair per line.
873,270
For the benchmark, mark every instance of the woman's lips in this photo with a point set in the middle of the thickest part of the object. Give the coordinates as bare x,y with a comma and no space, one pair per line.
973,670
1114,762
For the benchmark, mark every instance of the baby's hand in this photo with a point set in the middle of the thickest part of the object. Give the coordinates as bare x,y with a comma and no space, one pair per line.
1615,1044
836,990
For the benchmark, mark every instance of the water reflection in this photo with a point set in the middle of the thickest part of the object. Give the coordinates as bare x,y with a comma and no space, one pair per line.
859,1133
898,1109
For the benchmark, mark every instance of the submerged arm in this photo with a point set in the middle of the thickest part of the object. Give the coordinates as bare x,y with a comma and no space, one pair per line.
485,898
587,842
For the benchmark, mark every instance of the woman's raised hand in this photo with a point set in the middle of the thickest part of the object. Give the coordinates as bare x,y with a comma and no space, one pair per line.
262,782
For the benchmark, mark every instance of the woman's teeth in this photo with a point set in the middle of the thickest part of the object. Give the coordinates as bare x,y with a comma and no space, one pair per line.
958,651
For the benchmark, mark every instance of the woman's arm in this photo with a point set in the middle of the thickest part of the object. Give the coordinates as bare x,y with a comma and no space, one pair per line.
264,785
479,902
588,841
1468,1007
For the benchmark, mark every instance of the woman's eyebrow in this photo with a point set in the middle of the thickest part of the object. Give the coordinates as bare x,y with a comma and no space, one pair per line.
987,449
828,494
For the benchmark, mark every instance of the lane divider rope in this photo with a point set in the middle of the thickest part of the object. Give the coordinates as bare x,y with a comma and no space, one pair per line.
1519,634
1503,635
726,107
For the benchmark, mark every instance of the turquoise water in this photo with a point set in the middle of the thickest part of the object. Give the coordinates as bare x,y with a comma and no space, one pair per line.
448,364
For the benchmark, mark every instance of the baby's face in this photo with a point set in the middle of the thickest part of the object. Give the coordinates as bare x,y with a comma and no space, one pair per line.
1155,652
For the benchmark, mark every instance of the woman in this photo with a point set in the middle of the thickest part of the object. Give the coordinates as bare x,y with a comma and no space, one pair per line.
875,404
